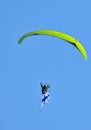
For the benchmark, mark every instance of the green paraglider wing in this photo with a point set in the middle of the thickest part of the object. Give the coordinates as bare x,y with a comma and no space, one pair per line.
60,35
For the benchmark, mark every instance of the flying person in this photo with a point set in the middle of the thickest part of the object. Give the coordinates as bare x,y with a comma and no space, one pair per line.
44,88
46,95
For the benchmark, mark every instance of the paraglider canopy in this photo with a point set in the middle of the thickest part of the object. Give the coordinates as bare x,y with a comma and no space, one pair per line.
60,35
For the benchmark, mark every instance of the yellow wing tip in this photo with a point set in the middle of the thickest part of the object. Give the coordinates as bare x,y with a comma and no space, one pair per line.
86,58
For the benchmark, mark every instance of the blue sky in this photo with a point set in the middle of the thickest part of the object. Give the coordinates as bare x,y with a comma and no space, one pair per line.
44,59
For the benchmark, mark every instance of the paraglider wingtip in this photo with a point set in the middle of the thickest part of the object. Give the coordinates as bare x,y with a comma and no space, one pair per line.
19,42
86,59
